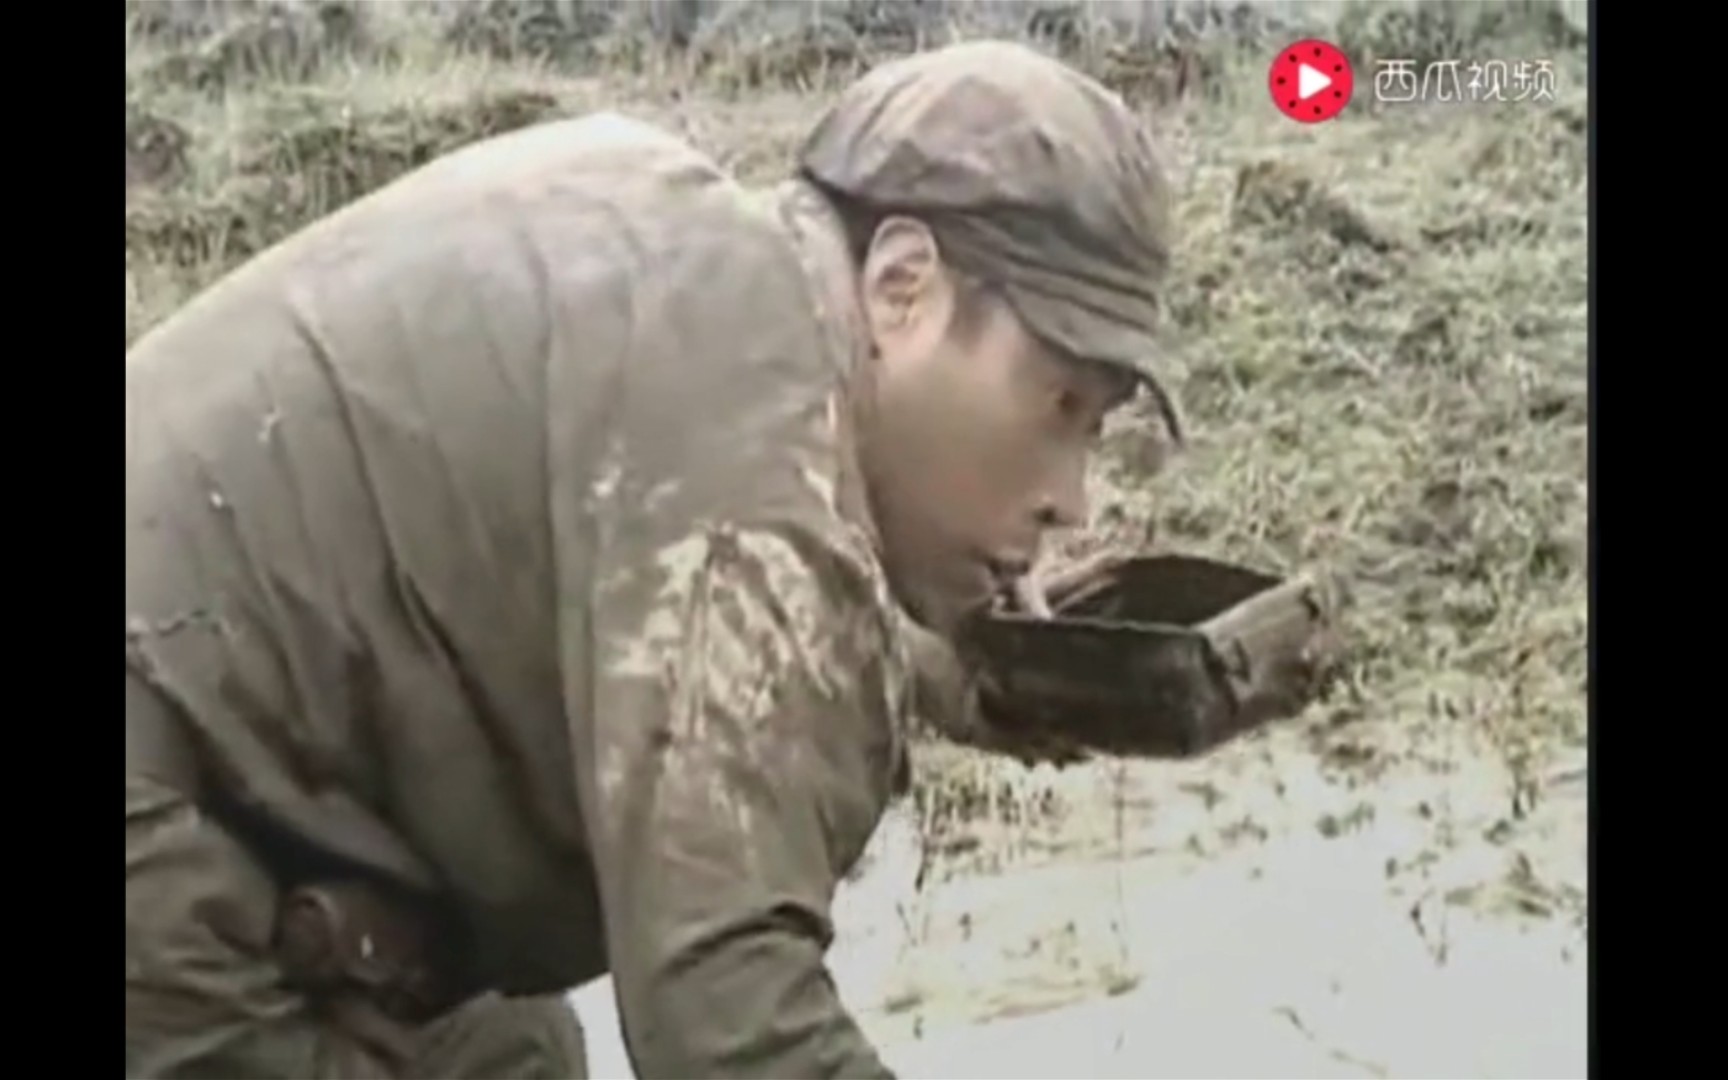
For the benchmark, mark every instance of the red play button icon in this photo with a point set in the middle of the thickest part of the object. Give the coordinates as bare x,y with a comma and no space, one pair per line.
1311,81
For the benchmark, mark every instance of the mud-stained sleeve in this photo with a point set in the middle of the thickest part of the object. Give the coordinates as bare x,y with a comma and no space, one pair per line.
742,751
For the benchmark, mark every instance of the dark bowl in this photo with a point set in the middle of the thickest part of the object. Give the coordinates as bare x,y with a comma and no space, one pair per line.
1165,656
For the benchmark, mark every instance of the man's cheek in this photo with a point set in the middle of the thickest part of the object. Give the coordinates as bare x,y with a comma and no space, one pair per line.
973,487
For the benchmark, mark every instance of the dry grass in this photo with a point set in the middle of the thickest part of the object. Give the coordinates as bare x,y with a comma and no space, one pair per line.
1383,318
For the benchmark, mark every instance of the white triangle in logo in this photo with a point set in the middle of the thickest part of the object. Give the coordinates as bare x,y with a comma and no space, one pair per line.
1310,82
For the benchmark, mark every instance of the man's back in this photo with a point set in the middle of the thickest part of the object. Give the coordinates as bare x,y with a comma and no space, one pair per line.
405,494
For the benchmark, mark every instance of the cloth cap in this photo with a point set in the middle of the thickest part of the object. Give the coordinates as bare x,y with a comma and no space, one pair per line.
1033,177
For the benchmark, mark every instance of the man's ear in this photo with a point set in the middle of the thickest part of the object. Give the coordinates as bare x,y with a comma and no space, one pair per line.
906,290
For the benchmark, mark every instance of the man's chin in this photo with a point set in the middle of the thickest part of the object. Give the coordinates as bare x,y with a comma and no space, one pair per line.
942,612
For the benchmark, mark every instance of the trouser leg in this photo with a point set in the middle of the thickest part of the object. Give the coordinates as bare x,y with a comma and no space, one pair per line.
536,1038
205,996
